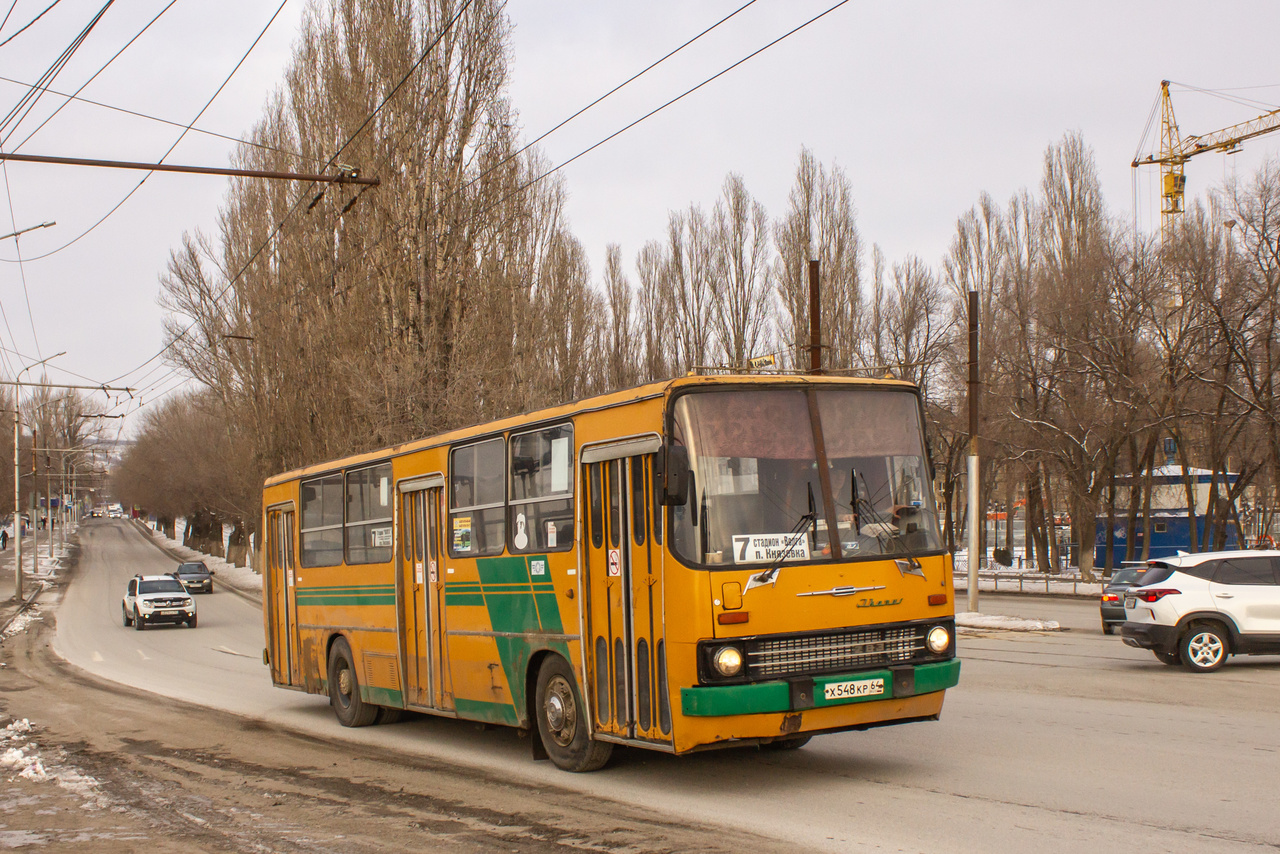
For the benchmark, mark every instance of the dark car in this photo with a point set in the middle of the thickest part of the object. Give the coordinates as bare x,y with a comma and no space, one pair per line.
195,576
1112,605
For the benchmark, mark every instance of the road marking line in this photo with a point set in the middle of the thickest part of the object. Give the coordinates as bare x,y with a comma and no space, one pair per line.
230,651
145,657
97,656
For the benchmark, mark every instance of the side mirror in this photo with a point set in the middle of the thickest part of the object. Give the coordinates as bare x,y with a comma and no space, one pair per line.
674,462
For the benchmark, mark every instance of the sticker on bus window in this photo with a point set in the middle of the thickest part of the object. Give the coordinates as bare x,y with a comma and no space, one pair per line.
431,568
762,548
551,535
417,572
462,533
538,566
380,537
615,562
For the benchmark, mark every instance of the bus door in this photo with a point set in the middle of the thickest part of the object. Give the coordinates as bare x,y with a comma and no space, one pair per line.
626,654
421,589
283,617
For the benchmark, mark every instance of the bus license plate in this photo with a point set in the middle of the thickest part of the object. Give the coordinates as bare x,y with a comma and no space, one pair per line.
1130,602
859,688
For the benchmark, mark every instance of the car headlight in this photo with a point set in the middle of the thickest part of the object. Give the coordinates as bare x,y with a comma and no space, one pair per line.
144,605
728,661
938,639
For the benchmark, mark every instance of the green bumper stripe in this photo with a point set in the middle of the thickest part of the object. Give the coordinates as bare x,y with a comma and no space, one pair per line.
763,697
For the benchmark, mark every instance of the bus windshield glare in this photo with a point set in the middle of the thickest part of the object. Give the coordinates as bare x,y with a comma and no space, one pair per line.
754,455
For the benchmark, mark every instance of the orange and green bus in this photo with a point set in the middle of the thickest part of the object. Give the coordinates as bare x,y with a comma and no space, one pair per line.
703,562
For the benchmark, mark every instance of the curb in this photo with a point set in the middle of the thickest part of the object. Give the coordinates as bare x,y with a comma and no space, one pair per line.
149,535
26,603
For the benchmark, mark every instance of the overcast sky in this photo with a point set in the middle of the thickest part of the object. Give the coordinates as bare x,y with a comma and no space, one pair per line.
924,106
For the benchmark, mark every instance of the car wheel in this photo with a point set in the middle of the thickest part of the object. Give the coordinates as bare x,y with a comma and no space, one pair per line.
562,722
344,688
137,620
191,623
128,621
1107,628
1167,657
1204,648
793,743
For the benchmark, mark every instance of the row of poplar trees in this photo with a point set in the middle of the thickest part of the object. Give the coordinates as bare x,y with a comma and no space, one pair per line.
319,322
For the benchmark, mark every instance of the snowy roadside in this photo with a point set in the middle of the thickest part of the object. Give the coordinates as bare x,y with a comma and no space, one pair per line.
243,578
968,621
21,758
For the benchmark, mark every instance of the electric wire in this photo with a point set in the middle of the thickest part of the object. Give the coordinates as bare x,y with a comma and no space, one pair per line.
95,75
540,177
306,193
28,101
612,91
22,269
29,24
165,121
8,14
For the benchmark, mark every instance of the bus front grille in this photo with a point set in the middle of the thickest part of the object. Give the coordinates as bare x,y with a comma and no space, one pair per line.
829,653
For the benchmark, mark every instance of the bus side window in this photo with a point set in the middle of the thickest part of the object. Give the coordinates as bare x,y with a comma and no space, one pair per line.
615,503
637,500
655,489
597,509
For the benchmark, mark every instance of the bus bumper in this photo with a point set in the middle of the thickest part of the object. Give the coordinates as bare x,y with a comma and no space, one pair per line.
797,695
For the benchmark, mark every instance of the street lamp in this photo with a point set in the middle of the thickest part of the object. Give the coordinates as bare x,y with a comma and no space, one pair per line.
17,475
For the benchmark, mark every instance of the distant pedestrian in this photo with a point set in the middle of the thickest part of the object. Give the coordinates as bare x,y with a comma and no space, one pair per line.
4,540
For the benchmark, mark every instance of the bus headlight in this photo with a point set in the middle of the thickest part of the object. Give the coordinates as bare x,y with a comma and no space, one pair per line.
938,639
728,661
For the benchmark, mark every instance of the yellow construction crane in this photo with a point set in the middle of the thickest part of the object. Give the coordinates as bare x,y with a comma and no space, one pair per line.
1176,150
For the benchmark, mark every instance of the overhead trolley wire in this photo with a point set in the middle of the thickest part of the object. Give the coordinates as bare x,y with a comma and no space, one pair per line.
549,172
29,24
305,194
165,121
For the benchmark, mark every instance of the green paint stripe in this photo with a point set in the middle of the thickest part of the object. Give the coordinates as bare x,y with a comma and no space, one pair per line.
497,713
772,697
346,600
367,588
382,696
462,600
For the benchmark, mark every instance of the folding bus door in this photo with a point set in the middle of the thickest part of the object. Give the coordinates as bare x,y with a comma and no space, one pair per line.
421,592
625,649
282,640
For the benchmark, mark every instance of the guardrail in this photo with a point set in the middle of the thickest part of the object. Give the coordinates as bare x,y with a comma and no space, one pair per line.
1027,581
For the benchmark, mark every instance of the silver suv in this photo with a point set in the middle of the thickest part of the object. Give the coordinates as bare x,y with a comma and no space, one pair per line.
152,599
1198,609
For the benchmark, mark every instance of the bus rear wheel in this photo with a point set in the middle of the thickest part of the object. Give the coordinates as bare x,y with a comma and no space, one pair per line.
344,688
562,722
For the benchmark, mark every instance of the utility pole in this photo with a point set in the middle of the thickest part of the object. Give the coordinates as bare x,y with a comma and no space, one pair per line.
815,318
974,539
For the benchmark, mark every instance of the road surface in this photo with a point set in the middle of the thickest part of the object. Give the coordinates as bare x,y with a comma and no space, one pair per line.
1064,741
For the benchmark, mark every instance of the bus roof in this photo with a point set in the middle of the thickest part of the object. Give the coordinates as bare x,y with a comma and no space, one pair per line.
588,404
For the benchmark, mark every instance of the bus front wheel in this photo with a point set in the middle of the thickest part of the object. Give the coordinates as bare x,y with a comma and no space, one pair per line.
344,688
562,722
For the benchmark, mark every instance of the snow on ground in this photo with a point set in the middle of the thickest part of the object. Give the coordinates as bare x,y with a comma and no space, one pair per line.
20,757
240,577
23,620
973,620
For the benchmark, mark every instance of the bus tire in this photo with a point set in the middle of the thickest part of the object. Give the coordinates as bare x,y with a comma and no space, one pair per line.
562,720
344,688
389,715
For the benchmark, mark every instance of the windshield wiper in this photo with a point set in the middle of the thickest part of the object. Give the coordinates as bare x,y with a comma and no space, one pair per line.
910,566
798,530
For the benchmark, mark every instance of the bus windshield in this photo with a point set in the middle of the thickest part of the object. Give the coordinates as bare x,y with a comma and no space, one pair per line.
756,497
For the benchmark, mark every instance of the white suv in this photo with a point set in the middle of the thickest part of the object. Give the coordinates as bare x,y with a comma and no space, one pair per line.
1198,609
151,599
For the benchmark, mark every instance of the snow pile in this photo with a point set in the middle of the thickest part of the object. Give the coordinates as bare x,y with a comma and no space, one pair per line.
20,757
23,620
974,620
15,758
